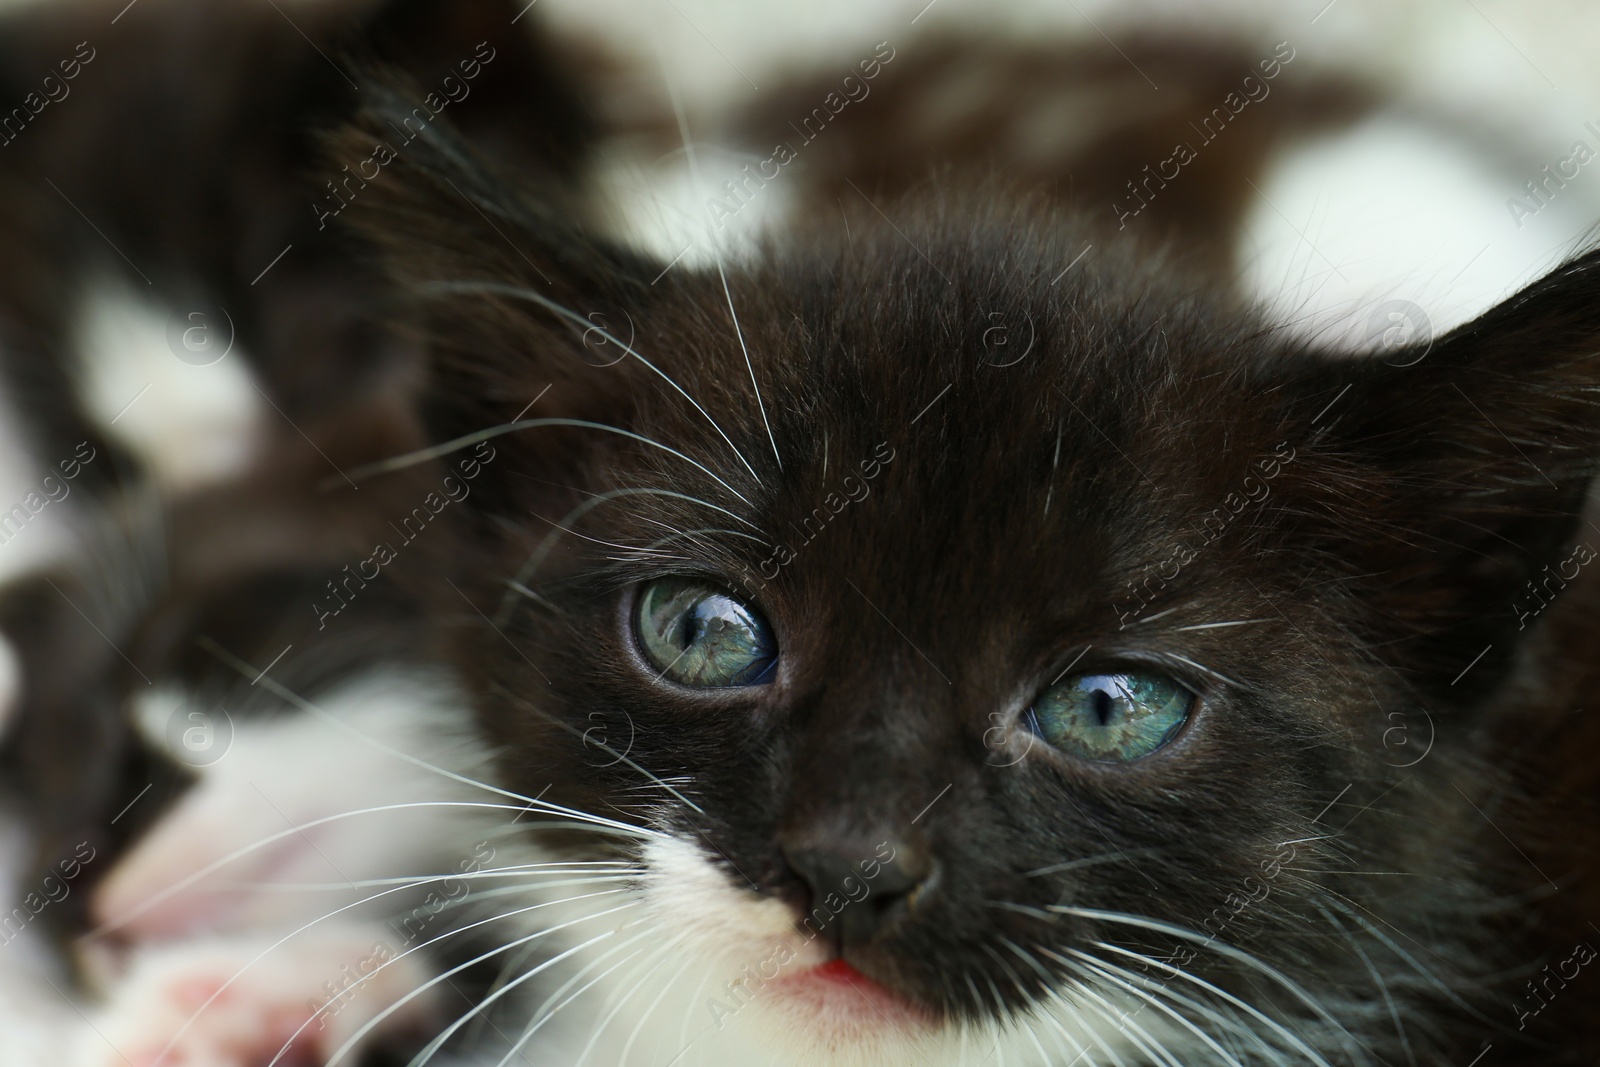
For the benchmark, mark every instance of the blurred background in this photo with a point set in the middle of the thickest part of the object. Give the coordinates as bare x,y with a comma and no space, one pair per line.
1412,200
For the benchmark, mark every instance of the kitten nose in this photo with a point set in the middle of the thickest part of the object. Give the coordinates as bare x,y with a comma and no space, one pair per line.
857,890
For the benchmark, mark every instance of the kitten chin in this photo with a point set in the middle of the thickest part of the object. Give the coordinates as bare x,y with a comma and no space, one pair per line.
730,976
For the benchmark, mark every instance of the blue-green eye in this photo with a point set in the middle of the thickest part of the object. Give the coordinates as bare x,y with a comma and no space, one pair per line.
1112,718
698,635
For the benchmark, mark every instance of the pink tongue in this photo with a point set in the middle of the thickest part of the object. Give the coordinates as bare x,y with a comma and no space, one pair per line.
840,971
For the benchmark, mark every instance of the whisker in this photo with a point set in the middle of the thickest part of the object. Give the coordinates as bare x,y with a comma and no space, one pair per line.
444,1036
179,886
1021,909
1203,669
378,1019
526,572
1205,1011
620,757
1348,906
1218,625
1146,1042
453,932
691,535
425,455
520,293
1152,998
172,1042
272,686
593,540
1377,977
1044,1057
566,867
1249,1009
540,1016
1119,856
716,250
532,567
665,954
638,1027
503,616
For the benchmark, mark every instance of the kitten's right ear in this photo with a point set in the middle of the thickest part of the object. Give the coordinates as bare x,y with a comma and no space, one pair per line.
511,298
509,88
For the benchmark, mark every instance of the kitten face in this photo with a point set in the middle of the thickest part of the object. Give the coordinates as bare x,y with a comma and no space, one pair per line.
912,534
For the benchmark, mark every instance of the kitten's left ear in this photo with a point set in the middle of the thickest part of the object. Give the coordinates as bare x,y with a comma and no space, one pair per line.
1461,469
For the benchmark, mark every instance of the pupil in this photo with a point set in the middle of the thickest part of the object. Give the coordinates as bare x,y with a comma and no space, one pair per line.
1104,706
693,627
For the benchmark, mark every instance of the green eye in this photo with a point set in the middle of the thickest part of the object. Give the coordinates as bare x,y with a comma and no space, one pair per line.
1112,718
698,635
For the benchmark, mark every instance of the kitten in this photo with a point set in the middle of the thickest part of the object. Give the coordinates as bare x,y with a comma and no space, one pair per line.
936,680
849,689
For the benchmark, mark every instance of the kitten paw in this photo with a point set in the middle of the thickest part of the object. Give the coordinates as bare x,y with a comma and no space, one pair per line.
235,1003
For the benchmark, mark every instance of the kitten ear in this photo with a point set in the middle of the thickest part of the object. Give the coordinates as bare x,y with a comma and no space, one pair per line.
512,300
1487,441
507,86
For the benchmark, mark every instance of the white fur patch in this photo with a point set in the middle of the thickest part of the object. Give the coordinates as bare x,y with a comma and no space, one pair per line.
191,423
270,887
296,799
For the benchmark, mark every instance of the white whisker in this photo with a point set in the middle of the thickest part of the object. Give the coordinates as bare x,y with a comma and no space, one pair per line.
526,572
444,1036
1294,1039
1218,625
305,705
665,954
520,293
541,1016
453,932
425,455
377,1020
716,250
216,865
1107,972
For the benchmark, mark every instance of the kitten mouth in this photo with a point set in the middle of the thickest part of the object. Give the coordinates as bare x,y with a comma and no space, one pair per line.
840,991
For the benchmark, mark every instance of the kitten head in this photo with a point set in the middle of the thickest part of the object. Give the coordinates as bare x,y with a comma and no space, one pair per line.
990,642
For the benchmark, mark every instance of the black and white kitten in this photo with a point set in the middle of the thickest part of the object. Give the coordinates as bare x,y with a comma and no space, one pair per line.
837,687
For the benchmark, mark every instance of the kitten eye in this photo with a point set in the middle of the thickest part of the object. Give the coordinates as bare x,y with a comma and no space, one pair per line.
1112,718
698,635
